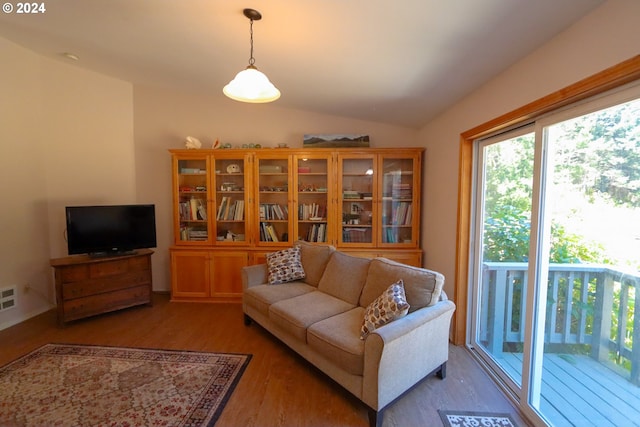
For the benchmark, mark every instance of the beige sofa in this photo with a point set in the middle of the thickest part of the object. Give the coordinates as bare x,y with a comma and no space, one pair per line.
320,317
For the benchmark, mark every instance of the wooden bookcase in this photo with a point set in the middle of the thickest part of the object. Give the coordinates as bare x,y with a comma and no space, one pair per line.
233,206
88,286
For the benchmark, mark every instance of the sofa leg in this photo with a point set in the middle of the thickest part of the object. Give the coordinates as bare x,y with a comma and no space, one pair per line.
247,320
375,418
442,372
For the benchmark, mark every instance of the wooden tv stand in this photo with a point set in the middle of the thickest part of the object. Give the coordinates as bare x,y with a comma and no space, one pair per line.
87,286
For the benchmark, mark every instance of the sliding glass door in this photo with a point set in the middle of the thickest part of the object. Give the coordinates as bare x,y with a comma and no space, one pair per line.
503,224
556,263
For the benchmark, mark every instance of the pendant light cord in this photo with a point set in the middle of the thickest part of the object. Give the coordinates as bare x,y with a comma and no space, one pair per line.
251,59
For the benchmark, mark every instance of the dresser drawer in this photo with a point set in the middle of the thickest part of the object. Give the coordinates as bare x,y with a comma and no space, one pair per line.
96,304
87,287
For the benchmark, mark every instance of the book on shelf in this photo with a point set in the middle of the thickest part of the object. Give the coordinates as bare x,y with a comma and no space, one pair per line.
401,191
183,211
192,171
350,194
225,214
193,234
202,212
193,208
239,211
358,235
221,208
401,214
311,211
230,210
272,233
271,211
268,233
317,233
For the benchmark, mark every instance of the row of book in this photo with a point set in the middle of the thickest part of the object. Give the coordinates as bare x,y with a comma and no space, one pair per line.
309,211
391,235
401,214
401,190
230,210
317,233
350,194
271,211
193,234
268,233
193,210
361,235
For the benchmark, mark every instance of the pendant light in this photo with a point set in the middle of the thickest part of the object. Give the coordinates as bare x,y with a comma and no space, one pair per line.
250,85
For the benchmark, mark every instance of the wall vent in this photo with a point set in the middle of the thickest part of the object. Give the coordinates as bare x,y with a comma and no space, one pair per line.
7,298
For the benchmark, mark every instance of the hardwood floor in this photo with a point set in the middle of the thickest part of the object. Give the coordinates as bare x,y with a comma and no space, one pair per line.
278,388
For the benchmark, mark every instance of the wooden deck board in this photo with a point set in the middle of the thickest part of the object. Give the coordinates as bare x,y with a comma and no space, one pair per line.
579,391
595,403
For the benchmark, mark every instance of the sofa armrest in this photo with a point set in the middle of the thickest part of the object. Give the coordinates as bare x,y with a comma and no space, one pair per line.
401,353
254,275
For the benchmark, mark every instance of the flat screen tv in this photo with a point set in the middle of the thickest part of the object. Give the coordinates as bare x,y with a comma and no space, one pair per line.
110,230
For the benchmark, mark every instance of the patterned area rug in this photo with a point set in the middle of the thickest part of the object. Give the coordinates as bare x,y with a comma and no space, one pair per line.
77,385
475,419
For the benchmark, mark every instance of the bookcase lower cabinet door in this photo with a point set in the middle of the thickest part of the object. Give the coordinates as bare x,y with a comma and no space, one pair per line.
226,275
203,275
190,275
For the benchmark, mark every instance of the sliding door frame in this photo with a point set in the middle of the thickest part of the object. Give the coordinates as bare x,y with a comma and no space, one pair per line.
616,76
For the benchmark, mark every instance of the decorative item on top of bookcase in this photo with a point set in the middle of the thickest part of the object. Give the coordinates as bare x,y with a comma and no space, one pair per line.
192,143
335,140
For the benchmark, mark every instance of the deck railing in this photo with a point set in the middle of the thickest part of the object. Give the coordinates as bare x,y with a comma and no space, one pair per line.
589,306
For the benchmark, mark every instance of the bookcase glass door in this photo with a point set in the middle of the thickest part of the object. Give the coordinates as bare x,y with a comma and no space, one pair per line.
193,207
312,201
397,206
356,193
273,200
230,200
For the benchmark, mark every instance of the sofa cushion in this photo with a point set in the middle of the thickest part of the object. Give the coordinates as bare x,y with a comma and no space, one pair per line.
295,315
262,296
422,287
344,277
314,259
389,306
338,340
284,266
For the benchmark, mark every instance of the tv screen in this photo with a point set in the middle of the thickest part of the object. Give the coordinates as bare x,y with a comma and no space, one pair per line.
110,230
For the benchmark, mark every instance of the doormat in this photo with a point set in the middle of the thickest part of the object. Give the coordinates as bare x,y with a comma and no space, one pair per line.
471,418
81,385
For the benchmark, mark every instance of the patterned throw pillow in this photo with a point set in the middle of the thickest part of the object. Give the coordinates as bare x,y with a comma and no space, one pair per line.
389,306
284,266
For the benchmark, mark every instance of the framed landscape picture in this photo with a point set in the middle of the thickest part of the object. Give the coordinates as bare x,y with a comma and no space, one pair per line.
335,140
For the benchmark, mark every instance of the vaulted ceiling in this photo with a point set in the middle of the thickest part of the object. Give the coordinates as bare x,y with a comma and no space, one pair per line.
398,62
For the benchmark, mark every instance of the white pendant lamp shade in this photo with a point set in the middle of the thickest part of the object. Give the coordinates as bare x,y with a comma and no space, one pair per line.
250,85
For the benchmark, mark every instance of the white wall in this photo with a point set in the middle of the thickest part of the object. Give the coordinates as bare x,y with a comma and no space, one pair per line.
607,36
66,137
164,118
